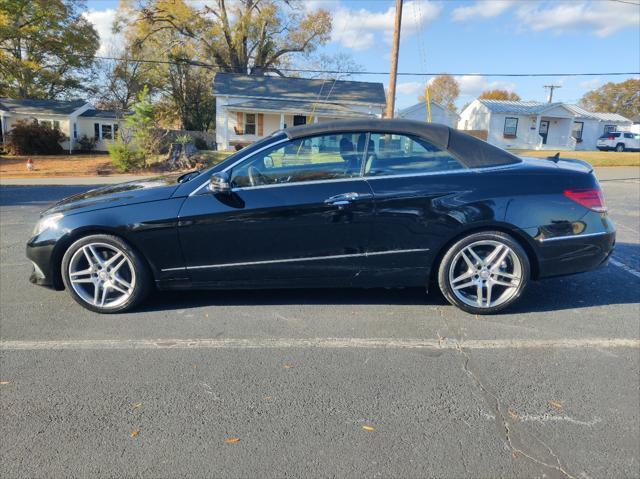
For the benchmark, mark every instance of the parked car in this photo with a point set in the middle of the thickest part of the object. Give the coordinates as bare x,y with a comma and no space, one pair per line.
619,141
359,203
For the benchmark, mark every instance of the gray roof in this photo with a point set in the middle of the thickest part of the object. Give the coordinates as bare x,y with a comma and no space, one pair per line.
103,113
582,113
303,89
519,107
54,107
423,106
298,107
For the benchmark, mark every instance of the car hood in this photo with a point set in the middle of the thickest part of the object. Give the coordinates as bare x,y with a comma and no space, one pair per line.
139,191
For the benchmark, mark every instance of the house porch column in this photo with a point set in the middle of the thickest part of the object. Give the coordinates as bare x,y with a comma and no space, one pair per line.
282,121
537,139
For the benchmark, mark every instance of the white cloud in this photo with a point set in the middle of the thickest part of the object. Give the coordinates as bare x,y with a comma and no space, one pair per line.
473,86
599,17
481,9
591,84
603,18
359,29
410,88
102,21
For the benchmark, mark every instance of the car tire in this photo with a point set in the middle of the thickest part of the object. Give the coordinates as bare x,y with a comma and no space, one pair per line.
105,275
473,280
620,147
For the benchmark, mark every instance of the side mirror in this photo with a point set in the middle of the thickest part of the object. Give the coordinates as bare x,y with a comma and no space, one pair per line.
220,183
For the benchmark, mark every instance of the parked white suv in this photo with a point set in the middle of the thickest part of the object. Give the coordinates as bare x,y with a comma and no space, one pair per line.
619,141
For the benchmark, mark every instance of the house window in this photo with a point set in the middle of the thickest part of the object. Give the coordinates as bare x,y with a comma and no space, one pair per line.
609,128
46,123
250,124
75,131
576,132
299,120
96,131
115,131
56,125
107,132
510,127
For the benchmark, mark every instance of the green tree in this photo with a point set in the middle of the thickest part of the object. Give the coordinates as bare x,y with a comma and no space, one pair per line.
443,89
499,94
141,124
244,36
622,98
47,48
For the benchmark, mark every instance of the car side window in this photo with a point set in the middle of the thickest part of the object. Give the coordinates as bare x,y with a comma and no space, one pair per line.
323,157
393,154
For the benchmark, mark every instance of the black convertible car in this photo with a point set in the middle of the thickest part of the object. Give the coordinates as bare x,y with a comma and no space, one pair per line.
361,203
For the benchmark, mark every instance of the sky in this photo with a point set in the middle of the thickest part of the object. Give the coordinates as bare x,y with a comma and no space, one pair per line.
475,37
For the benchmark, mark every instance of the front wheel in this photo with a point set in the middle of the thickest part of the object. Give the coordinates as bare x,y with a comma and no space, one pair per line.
484,273
104,274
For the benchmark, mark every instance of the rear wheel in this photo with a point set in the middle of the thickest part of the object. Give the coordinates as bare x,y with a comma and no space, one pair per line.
620,147
484,273
104,274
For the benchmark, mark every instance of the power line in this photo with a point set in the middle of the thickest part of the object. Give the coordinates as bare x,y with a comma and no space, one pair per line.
364,72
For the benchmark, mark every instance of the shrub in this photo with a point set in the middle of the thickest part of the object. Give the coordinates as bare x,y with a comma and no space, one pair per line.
183,139
33,138
87,143
200,143
123,156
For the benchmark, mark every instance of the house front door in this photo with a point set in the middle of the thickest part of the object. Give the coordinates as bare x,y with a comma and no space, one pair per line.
544,130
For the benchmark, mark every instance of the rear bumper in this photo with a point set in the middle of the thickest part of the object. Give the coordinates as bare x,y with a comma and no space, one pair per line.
560,256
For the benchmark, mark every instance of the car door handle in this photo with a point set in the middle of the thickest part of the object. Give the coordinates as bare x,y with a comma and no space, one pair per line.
342,199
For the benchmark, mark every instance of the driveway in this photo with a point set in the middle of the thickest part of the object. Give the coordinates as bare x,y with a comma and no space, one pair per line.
322,383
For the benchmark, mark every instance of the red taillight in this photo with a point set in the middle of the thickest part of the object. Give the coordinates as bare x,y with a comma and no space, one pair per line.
591,198
611,138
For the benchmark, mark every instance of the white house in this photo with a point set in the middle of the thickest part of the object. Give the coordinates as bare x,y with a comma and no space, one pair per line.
439,114
535,125
250,107
74,118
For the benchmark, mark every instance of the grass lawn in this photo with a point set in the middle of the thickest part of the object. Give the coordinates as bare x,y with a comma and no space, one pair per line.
56,165
81,164
596,158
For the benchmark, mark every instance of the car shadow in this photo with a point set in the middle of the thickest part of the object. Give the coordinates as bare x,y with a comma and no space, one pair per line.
39,195
606,286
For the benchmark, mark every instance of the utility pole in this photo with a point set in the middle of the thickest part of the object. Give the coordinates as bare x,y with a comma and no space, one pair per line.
391,98
551,88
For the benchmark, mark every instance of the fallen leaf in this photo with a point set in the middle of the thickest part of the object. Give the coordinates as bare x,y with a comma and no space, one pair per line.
135,433
512,414
232,440
557,405
368,428
136,405
440,339
268,398
287,365
4,382
194,366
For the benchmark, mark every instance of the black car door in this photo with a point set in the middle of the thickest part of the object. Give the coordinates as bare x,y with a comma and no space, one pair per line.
416,187
299,213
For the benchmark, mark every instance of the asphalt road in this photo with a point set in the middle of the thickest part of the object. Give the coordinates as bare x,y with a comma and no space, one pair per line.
322,383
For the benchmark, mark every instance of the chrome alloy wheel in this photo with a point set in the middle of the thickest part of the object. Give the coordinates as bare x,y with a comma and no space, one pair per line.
485,274
102,275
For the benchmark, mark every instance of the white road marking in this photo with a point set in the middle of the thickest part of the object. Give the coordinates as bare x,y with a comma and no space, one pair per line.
319,343
628,269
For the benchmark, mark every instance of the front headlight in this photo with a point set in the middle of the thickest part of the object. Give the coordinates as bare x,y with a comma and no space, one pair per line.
47,222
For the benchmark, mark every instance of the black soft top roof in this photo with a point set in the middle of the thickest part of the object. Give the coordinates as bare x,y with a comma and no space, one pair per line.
471,151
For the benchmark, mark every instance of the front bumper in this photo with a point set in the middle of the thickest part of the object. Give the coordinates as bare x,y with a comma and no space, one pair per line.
41,256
